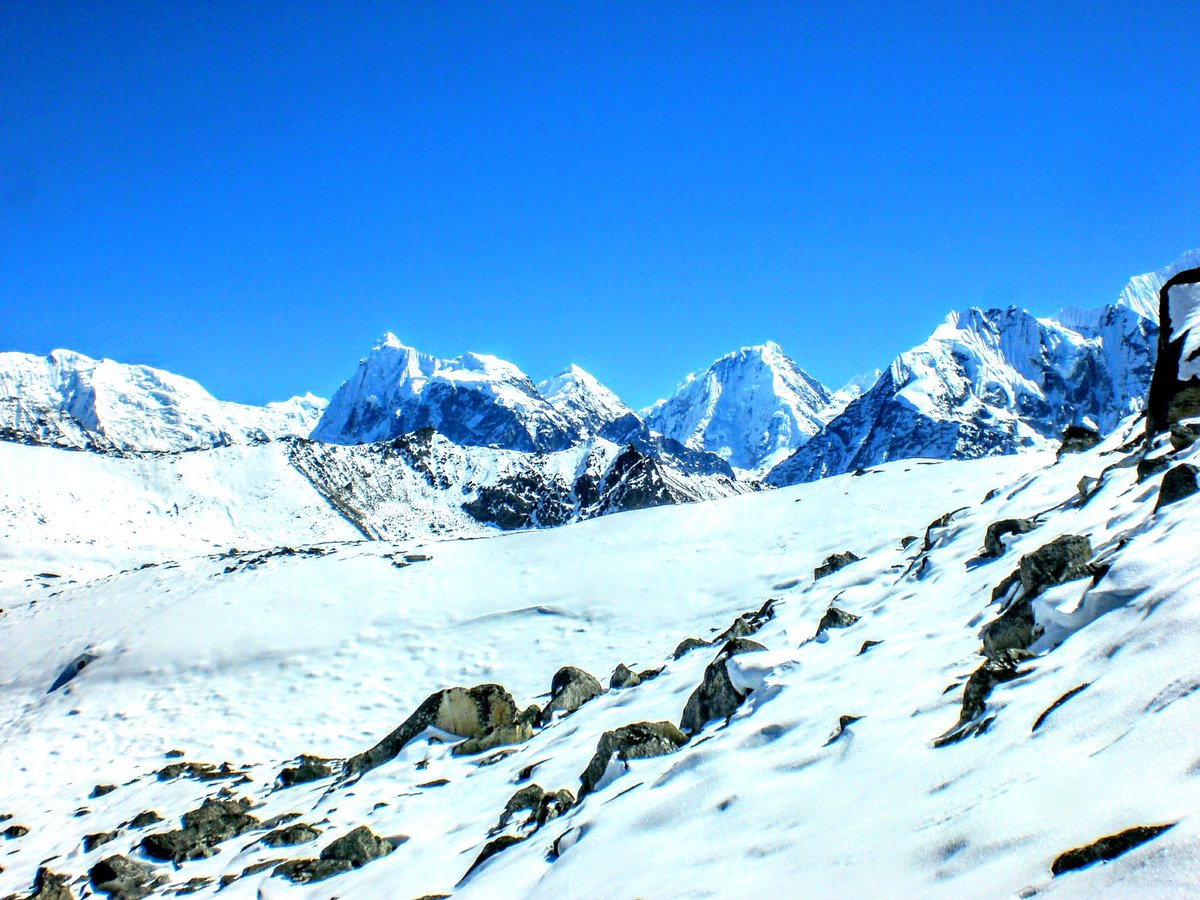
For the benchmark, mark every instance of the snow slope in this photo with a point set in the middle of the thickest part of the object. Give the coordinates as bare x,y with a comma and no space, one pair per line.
254,659
752,407
71,400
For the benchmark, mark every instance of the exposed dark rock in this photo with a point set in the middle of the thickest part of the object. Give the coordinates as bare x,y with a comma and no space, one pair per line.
867,645
123,879
491,848
1056,704
1184,434
101,789
304,871
193,885
1180,481
993,545
99,839
291,835
142,819
48,885
995,670
908,540
72,669
835,618
833,563
308,768
624,677
641,740
15,831
844,722
541,806
200,771
1172,398
203,828
466,712
716,697
1107,848
687,645
1149,466
1078,439
569,690
358,847
503,736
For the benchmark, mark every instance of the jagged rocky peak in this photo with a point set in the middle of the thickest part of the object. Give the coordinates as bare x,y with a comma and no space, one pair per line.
751,407
68,399
583,401
473,399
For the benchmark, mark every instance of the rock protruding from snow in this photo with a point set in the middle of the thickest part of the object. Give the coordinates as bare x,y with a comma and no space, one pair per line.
1107,848
473,399
1175,391
752,408
641,740
716,697
1180,481
570,688
70,400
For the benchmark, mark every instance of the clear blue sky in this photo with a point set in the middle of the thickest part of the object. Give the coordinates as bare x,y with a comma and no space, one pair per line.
250,193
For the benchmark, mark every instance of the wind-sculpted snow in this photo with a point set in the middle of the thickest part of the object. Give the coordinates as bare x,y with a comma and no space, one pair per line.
824,781
987,383
67,399
751,407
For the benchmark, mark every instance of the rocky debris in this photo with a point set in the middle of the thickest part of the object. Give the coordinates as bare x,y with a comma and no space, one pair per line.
193,885
1056,704
72,669
687,645
465,712
835,618
942,521
1078,439
541,806
748,623
291,835
640,740
1001,668
145,818
867,645
1180,481
123,879
203,828
833,563
307,768
252,869
15,831
1184,434
716,697
1149,466
48,885
908,540
491,848
303,871
99,839
569,690
351,851
844,722
625,677
101,789
1107,848
1062,560
503,736
200,771
993,545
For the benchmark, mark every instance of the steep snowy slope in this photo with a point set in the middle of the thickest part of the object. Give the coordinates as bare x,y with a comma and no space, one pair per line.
985,383
70,400
827,780
472,399
752,407
583,401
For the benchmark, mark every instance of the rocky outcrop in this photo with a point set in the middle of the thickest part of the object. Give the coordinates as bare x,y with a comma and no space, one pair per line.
49,885
833,563
120,878
993,543
1175,387
1078,439
465,712
997,669
716,697
641,740
835,618
307,768
625,677
541,806
687,645
1107,848
844,723
351,851
569,690
1181,481
203,829
291,835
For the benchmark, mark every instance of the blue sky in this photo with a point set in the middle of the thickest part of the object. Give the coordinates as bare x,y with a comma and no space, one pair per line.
249,194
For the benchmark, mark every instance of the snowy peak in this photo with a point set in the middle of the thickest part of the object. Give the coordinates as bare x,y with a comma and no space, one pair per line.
752,407
473,399
583,401
71,400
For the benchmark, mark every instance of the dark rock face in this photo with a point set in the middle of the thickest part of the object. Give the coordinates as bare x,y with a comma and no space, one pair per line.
304,871
308,768
1149,466
1041,719
1107,848
569,690
215,821
358,847
716,697
143,819
844,722
687,645
1001,668
50,886
641,740
835,618
993,544
101,789
466,712
1180,481
92,841
541,806
833,563
491,848
290,835
123,879
1174,389
625,677
1078,439
71,670
201,771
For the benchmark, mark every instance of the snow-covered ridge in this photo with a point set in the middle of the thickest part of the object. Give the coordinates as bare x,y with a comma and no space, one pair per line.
71,400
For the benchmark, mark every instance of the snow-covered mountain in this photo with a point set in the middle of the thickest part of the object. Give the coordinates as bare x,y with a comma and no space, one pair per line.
473,399
586,404
989,382
752,407
70,400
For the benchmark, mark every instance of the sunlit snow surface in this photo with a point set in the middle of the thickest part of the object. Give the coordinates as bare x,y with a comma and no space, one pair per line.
326,654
